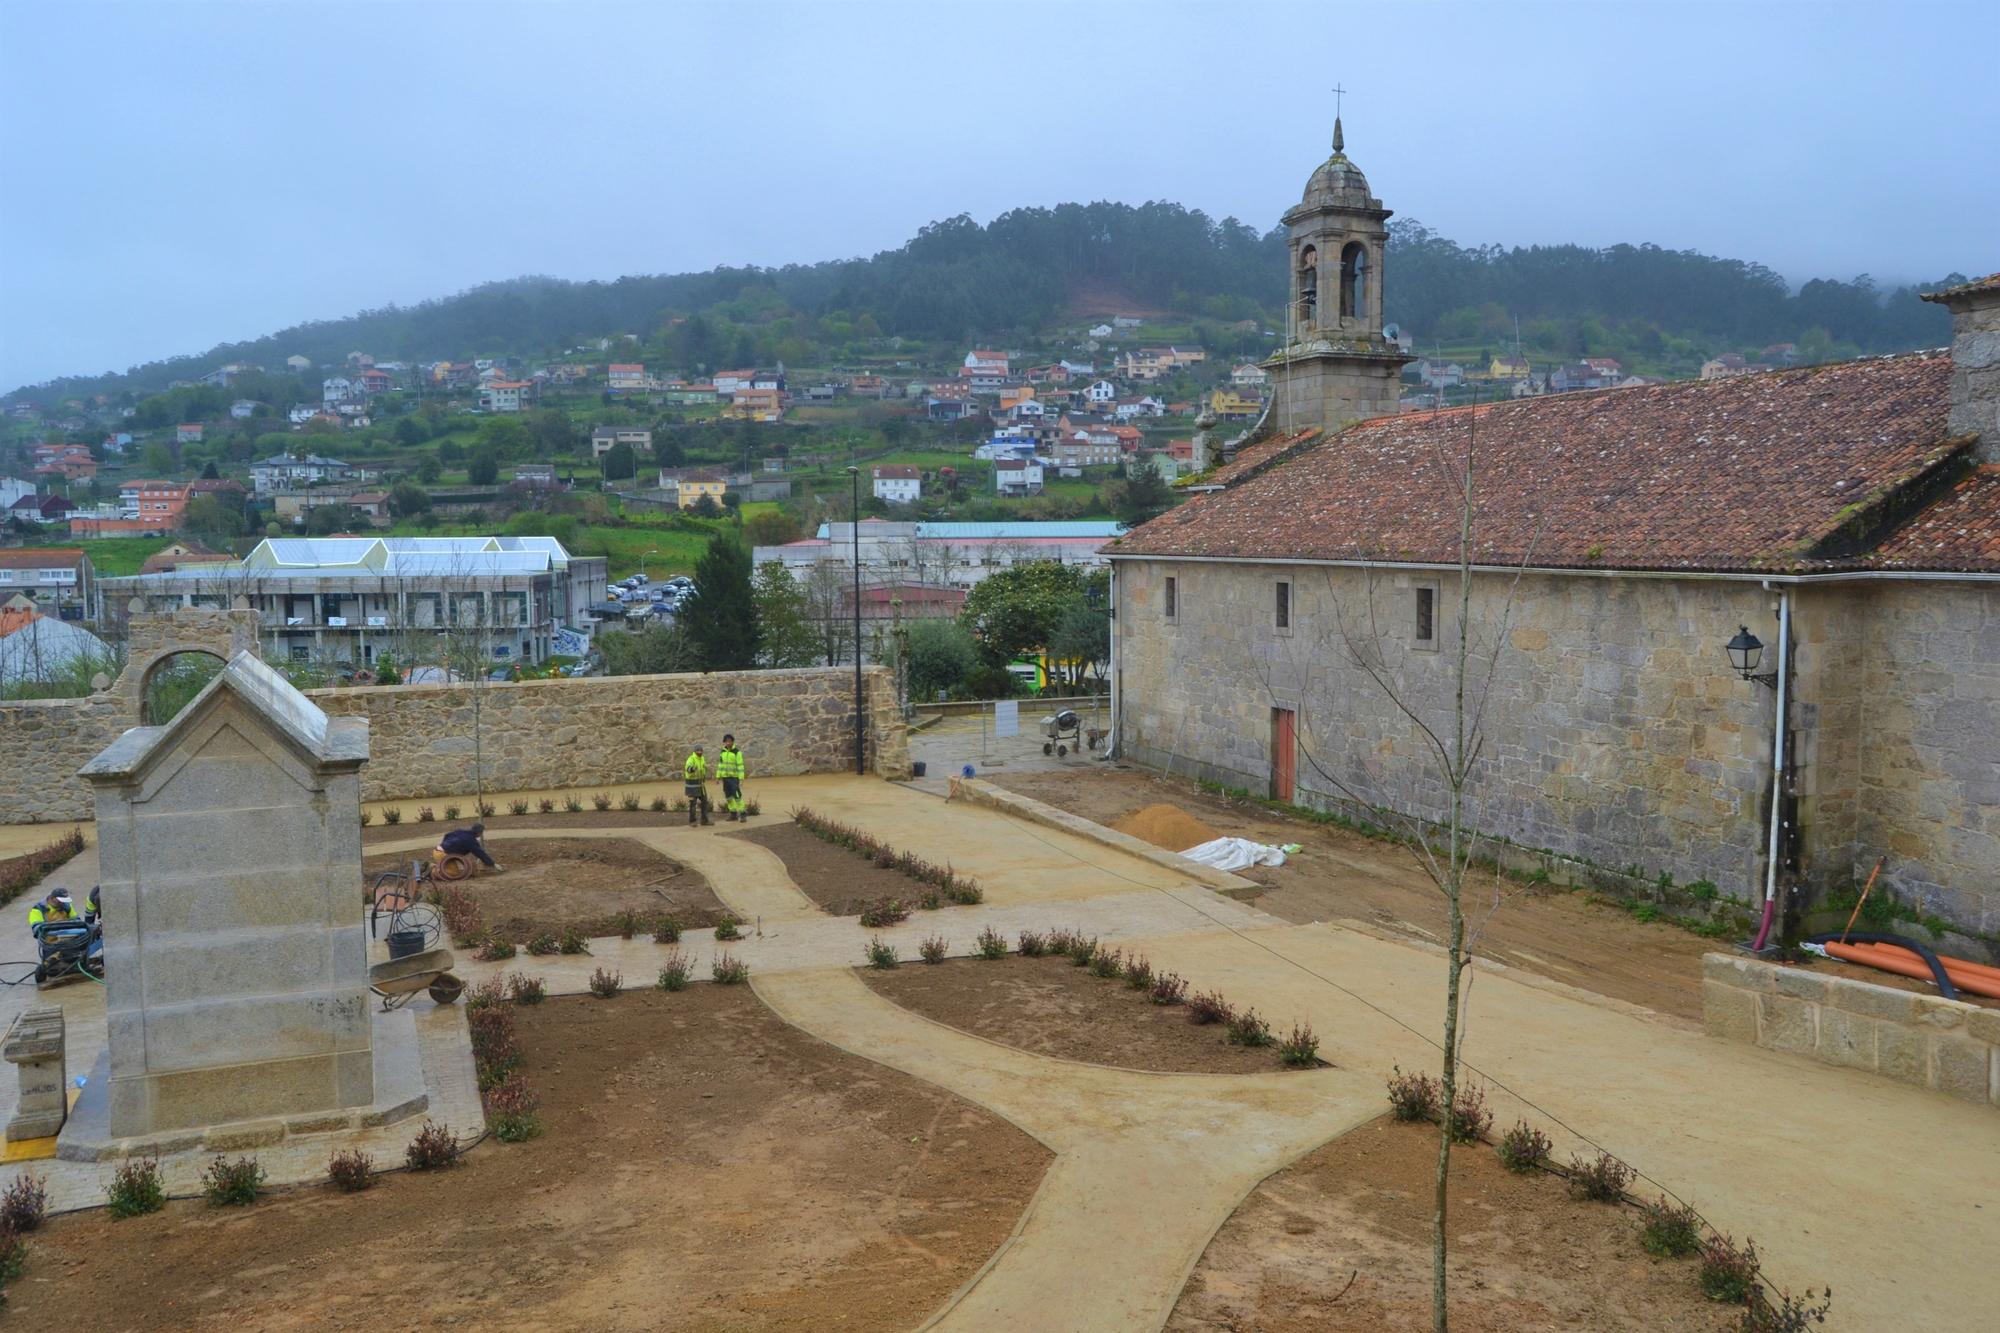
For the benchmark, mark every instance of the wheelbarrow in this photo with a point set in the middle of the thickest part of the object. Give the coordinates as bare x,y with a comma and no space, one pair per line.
400,979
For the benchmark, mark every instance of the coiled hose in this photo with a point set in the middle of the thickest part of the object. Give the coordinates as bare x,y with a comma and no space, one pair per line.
1923,951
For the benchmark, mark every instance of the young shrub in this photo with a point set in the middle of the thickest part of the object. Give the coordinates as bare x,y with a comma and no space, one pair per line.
628,924
659,806
425,814
543,945
1604,1179
962,891
728,928
1082,950
934,949
1727,1274
517,807
1470,1119
1671,1230
546,805
674,975
752,806
1246,1029
931,901
729,970
604,985
484,807
678,805
350,1171
136,1188
485,994
461,914
13,1258
25,1204
1060,941
1789,1314
885,913
1107,963
1301,1049
1168,988
571,941
393,815
450,813
1138,973
1413,1097
232,1184
992,944
433,1149
1523,1148
1209,1007
496,951
602,800
510,1110
667,930
367,818
572,804
1033,944
882,954
628,802
524,989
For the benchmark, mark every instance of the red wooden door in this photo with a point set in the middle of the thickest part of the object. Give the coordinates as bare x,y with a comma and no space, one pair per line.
1284,753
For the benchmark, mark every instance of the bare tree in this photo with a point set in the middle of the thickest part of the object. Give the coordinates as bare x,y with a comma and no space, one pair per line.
1450,735
828,588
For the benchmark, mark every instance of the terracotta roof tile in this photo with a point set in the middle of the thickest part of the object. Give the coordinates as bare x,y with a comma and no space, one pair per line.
1961,531
1760,472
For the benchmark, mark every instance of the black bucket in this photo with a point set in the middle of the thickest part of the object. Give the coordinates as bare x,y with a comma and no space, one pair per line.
916,768
403,943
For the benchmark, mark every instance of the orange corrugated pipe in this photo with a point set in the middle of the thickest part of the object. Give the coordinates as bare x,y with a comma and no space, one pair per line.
1950,964
1904,963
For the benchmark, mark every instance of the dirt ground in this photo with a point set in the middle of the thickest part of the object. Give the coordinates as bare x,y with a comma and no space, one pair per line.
1050,1007
1524,1254
1341,875
833,877
550,883
704,1166
561,819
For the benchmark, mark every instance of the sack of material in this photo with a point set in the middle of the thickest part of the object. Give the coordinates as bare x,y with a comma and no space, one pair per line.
1235,854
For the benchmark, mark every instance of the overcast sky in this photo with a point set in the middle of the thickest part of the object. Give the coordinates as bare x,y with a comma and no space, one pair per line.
178,174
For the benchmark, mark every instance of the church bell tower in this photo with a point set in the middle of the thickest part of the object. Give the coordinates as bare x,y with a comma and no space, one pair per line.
1335,366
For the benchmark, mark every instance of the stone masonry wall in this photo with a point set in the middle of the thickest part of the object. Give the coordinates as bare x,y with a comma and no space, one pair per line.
1614,732
617,729
43,742
1945,1045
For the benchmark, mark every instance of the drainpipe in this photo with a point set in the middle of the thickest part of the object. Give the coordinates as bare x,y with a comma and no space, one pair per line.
1111,750
1777,765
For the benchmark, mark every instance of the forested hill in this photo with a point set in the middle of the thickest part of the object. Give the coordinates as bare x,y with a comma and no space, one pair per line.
1034,268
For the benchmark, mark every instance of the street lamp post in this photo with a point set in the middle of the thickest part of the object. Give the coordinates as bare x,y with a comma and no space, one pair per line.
854,528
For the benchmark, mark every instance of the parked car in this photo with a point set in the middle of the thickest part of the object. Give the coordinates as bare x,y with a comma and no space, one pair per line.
680,581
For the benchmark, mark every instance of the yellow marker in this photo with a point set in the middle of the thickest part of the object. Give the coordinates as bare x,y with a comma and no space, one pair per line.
35,1150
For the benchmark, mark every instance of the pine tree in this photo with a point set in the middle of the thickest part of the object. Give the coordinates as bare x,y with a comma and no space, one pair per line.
721,621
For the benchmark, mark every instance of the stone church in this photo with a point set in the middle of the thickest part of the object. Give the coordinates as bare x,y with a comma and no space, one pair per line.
1838,526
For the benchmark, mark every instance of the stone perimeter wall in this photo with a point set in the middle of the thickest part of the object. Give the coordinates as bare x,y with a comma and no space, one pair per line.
605,730
1944,1045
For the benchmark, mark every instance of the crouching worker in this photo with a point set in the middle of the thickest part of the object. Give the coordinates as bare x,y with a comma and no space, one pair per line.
56,906
729,767
465,843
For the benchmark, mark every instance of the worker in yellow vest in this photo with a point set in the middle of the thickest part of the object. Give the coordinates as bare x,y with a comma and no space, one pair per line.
694,776
57,906
729,767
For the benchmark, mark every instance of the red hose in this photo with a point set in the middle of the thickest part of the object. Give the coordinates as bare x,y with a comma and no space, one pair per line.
1764,931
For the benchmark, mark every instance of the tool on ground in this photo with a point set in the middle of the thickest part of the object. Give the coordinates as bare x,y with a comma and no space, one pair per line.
1862,901
400,979
1065,733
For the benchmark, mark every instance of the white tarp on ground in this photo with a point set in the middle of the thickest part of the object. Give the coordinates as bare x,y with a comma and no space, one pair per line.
1236,854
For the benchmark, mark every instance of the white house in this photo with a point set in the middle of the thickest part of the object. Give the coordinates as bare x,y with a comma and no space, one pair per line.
12,489
505,395
978,360
282,471
1100,331
1101,391
1249,376
606,438
899,484
243,409
301,414
1017,476
336,390
296,363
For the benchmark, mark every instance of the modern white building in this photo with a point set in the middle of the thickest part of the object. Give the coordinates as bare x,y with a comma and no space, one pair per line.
940,555
1017,476
353,599
283,471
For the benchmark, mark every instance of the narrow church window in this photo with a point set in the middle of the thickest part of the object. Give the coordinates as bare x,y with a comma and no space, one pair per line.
1173,597
1308,285
1353,279
1426,617
1284,604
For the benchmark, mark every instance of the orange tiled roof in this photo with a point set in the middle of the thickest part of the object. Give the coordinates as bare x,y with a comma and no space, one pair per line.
1961,531
1757,472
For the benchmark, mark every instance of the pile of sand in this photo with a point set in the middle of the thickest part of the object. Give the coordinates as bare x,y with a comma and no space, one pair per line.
1167,826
